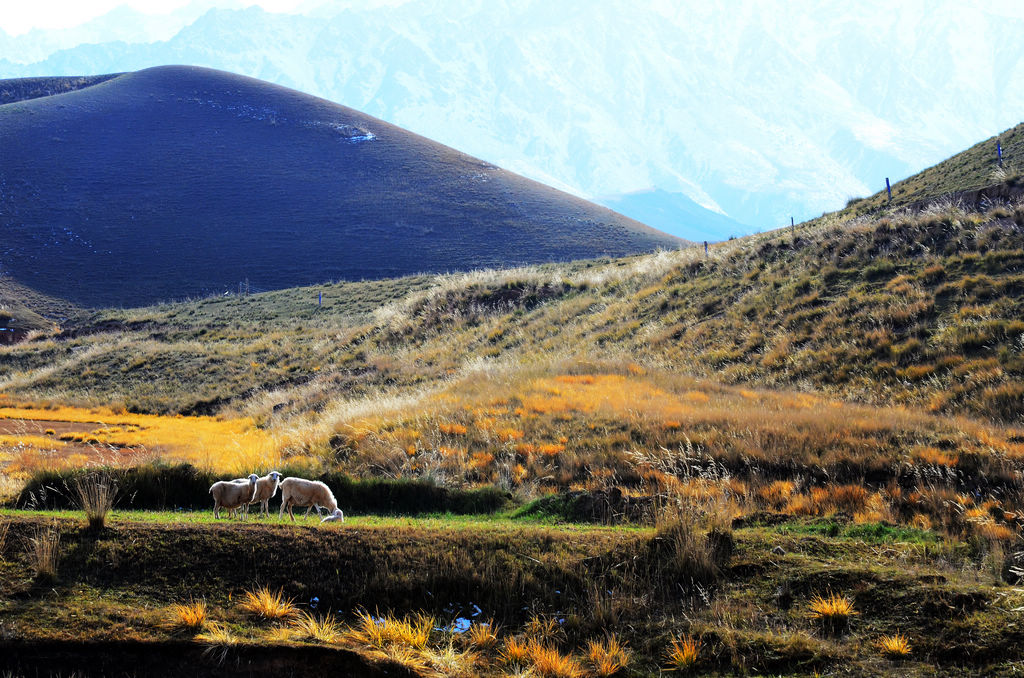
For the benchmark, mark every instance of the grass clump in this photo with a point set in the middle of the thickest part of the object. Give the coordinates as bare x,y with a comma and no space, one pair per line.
683,653
895,646
268,605
514,652
832,612
43,550
548,662
316,629
190,617
413,632
218,640
607,657
96,494
482,635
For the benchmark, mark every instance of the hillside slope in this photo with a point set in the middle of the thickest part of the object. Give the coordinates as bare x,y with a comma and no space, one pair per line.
181,181
919,308
967,174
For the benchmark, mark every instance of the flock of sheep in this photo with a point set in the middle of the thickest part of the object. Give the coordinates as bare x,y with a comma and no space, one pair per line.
295,492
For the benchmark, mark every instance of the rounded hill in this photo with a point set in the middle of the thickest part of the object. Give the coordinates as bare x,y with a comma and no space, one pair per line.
182,181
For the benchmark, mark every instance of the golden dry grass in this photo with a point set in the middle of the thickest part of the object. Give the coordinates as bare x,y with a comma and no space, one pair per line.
413,632
223,445
607,657
683,653
895,646
316,629
190,617
548,662
482,635
268,605
515,651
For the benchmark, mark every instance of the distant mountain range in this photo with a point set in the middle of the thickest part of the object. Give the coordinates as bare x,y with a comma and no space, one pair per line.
180,181
757,111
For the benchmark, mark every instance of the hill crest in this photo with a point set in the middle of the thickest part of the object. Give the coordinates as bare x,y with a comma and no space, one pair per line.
181,181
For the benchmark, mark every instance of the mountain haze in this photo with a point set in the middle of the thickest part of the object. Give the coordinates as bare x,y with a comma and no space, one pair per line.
183,181
756,110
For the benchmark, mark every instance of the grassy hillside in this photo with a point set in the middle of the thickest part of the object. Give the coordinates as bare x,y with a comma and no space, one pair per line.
830,409
176,182
976,168
920,308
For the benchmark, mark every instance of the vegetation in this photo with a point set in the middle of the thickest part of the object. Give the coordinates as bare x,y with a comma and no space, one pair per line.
190,617
798,455
267,605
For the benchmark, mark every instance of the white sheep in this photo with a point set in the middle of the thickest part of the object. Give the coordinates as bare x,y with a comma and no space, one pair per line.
301,492
232,494
266,488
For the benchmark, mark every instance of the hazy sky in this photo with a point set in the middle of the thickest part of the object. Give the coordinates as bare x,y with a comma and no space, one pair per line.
18,17
757,109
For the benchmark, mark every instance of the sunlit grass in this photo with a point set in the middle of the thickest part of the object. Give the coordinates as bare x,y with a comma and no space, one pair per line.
317,629
895,646
482,635
683,653
269,605
190,617
548,662
413,632
607,657
225,445
833,611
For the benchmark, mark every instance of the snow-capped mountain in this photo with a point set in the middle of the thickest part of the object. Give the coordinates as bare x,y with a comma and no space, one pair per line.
754,110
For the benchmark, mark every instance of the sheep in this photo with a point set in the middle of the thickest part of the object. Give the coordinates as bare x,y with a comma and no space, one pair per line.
232,494
266,488
309,493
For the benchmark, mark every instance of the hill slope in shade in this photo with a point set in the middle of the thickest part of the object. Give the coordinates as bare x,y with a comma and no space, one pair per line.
182,181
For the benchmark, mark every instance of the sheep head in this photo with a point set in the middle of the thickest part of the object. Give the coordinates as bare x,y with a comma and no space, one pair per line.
337,515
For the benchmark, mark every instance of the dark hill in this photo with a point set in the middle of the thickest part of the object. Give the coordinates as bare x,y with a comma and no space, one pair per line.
182,181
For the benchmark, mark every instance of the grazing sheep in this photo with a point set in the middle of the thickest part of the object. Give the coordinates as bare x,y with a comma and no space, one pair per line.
266,488
232,494
301,492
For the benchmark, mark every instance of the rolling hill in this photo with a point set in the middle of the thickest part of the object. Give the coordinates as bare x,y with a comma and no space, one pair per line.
176,181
